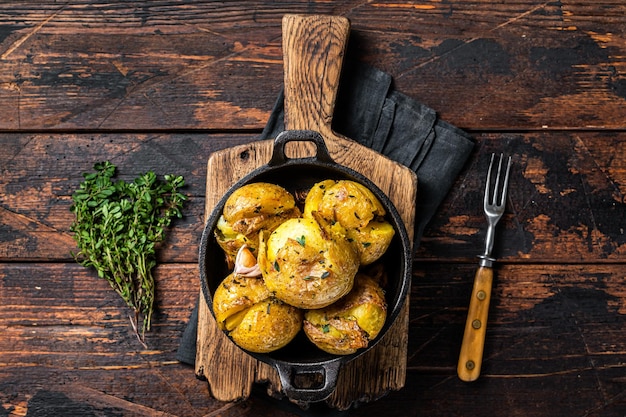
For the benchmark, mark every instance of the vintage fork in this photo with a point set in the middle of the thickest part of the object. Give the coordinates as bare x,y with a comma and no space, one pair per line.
470,358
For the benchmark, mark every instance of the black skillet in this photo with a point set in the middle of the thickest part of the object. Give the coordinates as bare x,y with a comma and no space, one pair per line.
301,357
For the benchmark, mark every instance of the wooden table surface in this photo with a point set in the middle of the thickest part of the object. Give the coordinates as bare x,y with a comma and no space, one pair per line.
160,85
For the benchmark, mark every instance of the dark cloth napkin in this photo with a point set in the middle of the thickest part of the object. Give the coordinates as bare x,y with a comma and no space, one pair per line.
370,111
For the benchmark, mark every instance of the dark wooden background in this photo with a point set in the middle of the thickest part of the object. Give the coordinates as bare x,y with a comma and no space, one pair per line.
161,84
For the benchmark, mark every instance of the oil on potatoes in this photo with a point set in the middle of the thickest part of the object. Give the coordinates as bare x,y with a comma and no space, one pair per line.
300,267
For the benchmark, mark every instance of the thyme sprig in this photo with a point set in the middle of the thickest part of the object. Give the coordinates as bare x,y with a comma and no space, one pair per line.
117,227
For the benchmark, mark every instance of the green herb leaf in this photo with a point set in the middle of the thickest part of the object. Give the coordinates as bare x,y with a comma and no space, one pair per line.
117,227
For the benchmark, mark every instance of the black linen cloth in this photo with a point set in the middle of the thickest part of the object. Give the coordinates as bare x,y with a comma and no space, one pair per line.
370,111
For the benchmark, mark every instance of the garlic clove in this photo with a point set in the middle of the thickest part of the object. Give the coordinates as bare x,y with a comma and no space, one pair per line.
246,264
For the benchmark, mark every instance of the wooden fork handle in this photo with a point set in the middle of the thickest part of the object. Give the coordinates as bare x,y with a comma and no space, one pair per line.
471,356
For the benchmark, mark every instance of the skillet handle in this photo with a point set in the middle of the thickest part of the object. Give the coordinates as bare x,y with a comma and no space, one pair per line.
279,157
287,373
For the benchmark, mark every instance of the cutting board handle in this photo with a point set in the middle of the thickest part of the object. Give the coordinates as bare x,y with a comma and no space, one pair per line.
313,51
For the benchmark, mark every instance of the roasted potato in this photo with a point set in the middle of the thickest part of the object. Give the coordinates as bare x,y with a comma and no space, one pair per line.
250,209
234,295
307,263
357,209
372,241
352,322
267,326
254,319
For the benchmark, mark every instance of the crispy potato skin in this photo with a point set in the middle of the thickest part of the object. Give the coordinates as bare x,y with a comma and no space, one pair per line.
315,195
254,319
358,210
248,210
307,264
372,241
351,323
267,326
258,198
236,293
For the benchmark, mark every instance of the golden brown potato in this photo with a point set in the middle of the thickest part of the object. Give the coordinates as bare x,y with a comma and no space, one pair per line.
351,323
306,263
235,294
347,202
314,197
256,321
250,209
267,326
372,241
358,210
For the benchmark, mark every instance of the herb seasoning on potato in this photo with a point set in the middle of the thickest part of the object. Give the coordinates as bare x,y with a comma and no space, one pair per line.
351,323
358,210
296,265
250,209
307,264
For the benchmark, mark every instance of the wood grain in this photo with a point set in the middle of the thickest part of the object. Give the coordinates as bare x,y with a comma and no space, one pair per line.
155,66
585,171
163,85
473,343
551,326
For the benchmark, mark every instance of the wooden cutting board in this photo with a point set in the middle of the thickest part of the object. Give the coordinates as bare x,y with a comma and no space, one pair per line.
313,49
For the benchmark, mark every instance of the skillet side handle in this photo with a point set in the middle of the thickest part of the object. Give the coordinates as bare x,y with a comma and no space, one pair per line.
288,372
279,157
313,51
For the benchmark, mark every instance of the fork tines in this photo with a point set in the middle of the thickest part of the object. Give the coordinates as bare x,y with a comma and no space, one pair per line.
491,198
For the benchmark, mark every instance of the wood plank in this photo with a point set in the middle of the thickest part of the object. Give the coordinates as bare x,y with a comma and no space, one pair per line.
566,202
513,65
70,304
40,172
553,330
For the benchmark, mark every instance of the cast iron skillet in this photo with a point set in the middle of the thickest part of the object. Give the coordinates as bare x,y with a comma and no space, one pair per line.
301,357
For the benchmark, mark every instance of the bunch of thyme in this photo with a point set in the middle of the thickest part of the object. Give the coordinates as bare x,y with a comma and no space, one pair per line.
117,226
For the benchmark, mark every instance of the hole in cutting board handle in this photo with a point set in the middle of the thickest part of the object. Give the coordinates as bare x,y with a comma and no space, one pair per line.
280,157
